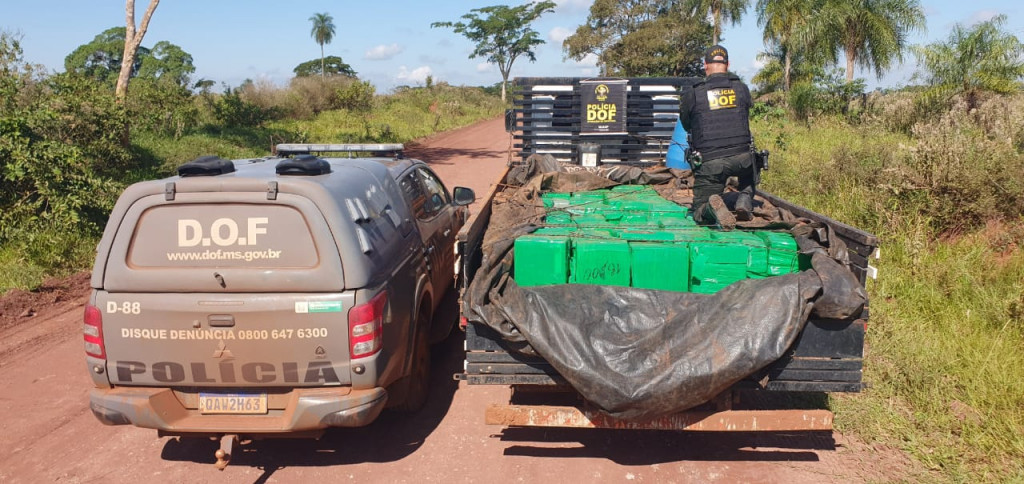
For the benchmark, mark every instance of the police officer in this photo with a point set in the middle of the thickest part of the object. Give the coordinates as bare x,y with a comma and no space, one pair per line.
715,113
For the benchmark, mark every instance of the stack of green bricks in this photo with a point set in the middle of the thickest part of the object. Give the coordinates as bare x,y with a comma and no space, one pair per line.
631,236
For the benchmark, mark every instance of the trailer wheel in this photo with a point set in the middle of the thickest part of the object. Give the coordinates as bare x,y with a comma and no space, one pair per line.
418,380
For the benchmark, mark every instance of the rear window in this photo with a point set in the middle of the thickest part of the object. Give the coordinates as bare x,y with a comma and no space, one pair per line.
222,235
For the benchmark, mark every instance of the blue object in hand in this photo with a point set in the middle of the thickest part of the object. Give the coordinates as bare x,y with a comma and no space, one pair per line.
676,157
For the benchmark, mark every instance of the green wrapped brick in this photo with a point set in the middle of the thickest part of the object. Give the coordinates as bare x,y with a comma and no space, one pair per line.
600,261
563,231
558,218
673,219
555,200
757,251
714,265
541,260
664,266
783,252
595,219
634,219
638,234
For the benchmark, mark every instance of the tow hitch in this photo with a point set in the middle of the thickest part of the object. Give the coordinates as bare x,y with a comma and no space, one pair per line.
223,454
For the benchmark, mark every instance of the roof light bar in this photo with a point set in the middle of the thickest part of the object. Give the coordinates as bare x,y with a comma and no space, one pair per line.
299,149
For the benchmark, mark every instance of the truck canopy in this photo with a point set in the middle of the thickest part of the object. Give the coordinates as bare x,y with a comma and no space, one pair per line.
226,233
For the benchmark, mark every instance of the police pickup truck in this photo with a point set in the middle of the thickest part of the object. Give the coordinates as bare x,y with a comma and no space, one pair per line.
271,297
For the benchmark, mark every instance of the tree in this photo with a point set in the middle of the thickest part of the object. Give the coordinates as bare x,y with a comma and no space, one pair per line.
132,40
332,65
502,34
720,11
982,58
641,38
781,20
167,62
323,33
101,60
774,76
871,33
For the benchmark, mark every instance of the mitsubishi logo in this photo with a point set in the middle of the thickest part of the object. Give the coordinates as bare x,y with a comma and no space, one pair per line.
222,351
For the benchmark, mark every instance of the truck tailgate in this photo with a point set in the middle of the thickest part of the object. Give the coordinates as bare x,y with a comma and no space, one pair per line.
226,340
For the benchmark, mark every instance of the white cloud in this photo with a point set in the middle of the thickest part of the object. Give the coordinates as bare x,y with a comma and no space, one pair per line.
484,67
589,60
383,52
558,34
568,6
415,76
981,16
758,64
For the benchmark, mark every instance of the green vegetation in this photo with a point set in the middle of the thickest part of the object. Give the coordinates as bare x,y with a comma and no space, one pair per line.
871,34
648,38
945,347
978,59
502,34
64,159
331,65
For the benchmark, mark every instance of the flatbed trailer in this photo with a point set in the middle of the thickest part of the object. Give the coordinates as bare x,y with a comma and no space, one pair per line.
827,356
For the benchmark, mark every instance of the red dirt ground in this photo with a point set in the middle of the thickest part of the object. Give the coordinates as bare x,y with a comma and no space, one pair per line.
47,432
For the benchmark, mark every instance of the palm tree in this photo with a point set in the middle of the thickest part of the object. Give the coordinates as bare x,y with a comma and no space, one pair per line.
719,10
871,33
781,20
323,33
981,58
773,76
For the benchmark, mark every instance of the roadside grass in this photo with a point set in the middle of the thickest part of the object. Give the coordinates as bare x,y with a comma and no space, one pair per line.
398,118
35,256
17,272
945,359
167,153
945,342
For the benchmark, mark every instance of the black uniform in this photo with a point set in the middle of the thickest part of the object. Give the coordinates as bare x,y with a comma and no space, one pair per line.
716,113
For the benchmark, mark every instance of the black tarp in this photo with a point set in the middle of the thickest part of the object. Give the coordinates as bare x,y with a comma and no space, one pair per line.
637,353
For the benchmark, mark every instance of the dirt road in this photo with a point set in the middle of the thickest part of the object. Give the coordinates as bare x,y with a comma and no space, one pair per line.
47,433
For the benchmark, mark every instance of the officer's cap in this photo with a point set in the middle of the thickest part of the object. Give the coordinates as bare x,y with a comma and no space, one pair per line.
716,54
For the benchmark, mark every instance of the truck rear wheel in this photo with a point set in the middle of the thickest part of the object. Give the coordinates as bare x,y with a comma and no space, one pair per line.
418,380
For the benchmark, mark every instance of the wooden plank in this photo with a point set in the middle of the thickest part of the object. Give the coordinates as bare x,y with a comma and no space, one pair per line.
821,364
817,375
511,379
727,420
501,357
509,369
814,386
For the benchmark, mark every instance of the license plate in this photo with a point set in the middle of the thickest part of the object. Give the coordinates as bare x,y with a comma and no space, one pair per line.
232,403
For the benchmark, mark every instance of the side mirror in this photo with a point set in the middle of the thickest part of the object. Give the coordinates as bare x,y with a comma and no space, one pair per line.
510,120
463,196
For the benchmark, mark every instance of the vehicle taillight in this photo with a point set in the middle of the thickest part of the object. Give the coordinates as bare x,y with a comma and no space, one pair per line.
365,326
93,330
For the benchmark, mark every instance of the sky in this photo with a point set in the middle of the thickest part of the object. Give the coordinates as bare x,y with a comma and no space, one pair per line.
389,43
